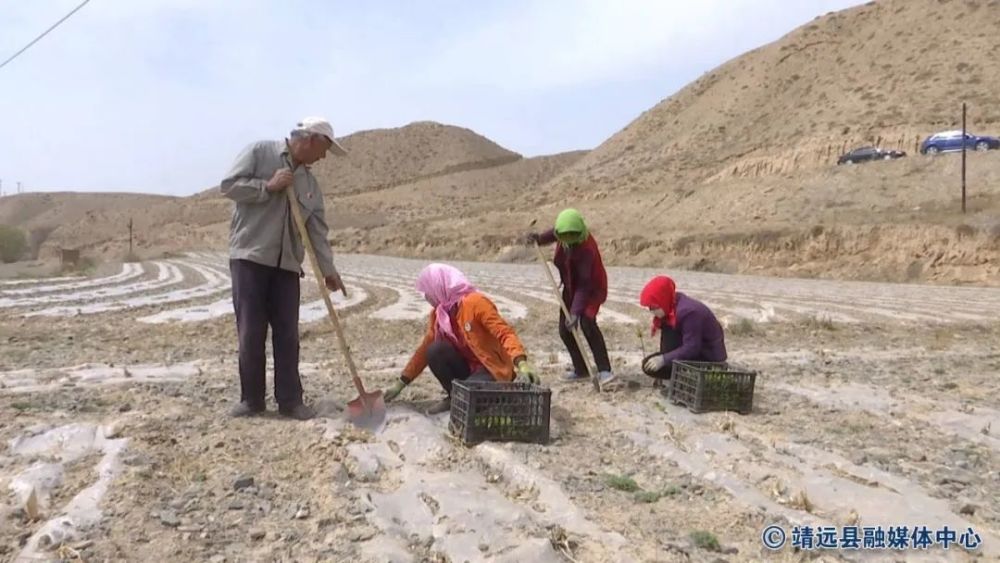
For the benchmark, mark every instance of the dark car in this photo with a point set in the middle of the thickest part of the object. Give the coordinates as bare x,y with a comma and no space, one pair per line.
865,154
952,141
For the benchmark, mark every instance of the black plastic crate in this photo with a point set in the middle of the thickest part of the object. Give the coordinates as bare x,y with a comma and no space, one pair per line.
712,386
499,411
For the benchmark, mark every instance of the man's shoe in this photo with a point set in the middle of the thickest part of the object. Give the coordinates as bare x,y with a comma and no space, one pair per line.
245,409
573,376
298,412
605,378
444,405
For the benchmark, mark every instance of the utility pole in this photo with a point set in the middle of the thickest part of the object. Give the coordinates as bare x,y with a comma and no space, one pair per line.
130,236
964,143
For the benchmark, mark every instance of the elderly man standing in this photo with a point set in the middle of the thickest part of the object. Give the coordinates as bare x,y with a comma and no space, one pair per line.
266,255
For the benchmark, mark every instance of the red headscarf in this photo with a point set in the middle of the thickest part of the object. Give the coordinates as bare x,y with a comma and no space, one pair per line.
661,292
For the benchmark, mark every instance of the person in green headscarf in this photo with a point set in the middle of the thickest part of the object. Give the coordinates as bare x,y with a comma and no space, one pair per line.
584,290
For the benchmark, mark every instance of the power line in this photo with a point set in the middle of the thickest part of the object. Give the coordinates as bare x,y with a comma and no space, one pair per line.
46,32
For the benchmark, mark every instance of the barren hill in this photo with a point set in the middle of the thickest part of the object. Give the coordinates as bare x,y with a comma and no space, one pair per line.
735,172
391,178
39,214
743,159
384,158
889,72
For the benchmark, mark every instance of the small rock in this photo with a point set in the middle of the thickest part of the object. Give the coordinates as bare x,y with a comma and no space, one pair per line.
968,510
361,534
242,482
169,518
114,430
731,550
177,503
217,559
958,476
136,459
256,535
236,505
125,408
302,513
266,492
484,547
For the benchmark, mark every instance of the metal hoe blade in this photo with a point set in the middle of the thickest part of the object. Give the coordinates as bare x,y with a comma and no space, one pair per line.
367,410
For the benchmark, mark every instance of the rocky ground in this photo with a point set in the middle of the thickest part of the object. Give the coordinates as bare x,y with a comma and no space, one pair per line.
875,405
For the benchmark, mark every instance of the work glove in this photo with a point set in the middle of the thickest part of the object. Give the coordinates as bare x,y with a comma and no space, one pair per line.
394,391
654,364
525,373
572,322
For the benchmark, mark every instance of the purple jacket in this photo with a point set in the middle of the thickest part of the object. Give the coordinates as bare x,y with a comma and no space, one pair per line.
701,337
584,279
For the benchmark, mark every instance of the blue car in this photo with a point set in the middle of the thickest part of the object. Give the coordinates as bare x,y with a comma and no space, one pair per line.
951,141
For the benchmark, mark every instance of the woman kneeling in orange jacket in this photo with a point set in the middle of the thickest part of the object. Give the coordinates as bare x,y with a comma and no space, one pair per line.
466,338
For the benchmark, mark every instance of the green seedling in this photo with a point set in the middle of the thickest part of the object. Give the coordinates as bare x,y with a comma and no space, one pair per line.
647,497
505,424
622,483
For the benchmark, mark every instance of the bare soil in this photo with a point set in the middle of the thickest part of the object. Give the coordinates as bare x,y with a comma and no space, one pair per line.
874,404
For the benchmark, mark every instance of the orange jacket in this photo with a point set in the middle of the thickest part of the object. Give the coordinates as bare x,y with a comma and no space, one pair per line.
489,337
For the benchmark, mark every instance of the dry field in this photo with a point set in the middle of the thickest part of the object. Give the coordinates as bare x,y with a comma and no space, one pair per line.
875,405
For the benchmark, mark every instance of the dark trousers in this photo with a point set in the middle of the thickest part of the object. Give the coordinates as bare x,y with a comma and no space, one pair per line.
447,365
595,338
262,296
670,340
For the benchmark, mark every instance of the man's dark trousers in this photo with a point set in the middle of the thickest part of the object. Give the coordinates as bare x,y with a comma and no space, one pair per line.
262,296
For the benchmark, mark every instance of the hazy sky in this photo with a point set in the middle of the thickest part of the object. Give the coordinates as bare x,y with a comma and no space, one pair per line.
159,95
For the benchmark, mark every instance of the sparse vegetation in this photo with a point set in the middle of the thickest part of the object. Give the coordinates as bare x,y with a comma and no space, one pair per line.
705,540
86,265
743,327
13,243
622,483
649,497
820,322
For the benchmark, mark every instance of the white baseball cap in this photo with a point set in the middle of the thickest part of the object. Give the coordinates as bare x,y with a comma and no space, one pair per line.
322,127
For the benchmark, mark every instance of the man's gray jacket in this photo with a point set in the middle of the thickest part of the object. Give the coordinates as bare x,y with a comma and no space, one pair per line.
262,229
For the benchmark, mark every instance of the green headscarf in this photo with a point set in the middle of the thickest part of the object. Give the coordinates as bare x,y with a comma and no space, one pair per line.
570,221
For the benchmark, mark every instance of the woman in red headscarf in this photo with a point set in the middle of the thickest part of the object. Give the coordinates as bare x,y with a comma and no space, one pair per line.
688,328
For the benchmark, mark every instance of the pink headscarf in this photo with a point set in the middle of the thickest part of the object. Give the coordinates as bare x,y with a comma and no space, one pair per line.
445,286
